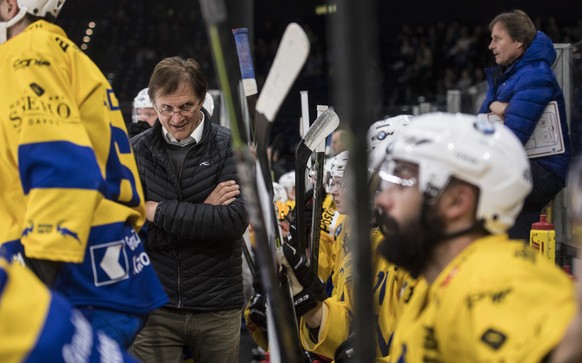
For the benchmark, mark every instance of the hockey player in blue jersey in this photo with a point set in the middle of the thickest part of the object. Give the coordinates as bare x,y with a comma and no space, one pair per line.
71,198
41,326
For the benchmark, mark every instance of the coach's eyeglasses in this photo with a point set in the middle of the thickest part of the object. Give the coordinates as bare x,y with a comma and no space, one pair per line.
185,110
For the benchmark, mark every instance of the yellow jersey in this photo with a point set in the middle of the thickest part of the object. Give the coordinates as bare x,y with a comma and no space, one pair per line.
66,161
392,289
69,185
496,301
37,325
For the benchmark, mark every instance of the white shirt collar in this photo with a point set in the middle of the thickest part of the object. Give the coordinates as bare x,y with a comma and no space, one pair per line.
195,136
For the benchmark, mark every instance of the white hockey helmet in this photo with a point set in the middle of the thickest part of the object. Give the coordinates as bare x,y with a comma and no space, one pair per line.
338,164
486,155
279,193
287,181
39,8
142,100
380,135
209,103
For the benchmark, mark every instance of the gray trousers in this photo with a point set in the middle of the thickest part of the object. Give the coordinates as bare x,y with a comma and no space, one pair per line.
211,337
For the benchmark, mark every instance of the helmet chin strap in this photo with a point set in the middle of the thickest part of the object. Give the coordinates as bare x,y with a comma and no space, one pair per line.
5,25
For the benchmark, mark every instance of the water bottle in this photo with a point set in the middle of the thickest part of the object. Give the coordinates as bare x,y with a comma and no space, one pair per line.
542,238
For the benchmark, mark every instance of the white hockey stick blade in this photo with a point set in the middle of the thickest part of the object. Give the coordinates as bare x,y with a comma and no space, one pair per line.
324,125
291,56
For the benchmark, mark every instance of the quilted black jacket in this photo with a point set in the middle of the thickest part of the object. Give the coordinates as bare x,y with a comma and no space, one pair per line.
195,248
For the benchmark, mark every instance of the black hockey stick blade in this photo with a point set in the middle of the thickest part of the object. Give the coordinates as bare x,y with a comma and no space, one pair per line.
317,210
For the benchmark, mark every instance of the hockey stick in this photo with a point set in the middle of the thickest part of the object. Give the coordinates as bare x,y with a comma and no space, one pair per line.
322,126
249,83
316,216
317,200
291,55
214,13
245,61
355,58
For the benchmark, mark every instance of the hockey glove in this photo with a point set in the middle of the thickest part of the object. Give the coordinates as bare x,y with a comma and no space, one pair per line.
256,320
345,351
307,288
292,216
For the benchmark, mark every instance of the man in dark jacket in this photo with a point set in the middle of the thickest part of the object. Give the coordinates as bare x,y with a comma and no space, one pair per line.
196,221
520,87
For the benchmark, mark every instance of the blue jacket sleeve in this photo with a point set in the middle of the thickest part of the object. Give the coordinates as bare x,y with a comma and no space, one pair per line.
531,94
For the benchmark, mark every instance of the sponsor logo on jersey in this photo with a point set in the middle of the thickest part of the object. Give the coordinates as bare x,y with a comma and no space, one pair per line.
406,292
526,253
496,297
109,262
65,232
28,229
430,342
326,218
38,108
62,44
30,62
38,90
485,126
493,338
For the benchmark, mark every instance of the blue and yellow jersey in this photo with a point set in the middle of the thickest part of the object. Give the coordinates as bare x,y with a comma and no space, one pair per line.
69,185
326,240
340,251
497,301
392,290
39,326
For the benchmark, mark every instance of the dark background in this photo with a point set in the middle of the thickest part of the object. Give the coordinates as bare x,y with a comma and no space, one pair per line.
131,36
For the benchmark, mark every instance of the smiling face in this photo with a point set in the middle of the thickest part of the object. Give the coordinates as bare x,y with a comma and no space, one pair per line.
179,112
504,48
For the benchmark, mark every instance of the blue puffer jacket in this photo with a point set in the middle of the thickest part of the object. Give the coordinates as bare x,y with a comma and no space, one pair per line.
528,85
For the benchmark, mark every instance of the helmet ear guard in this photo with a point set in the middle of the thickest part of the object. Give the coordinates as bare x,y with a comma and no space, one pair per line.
486,155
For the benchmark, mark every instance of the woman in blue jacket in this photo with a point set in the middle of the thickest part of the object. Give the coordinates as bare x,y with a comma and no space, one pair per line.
520,87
